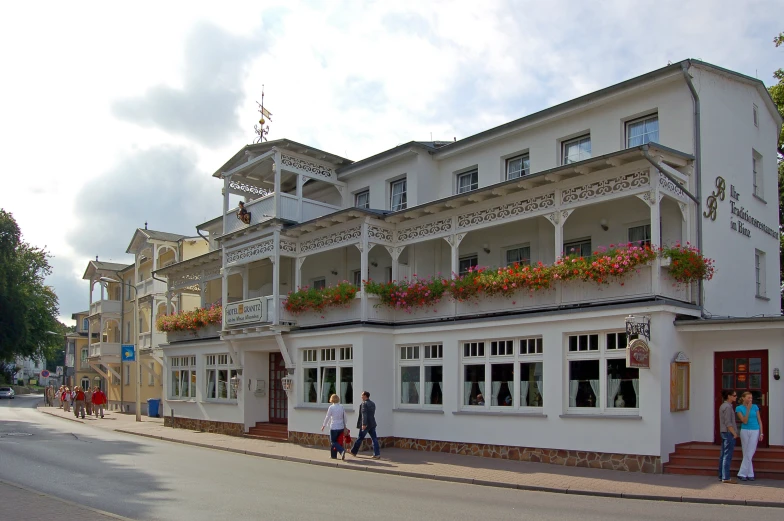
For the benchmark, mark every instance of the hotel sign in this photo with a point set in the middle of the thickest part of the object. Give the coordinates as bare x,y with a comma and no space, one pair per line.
244,312
638,354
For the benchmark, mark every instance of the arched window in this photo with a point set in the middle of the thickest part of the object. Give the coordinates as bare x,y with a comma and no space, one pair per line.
85,383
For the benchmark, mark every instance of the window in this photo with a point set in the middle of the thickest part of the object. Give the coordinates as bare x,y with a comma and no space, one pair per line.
576,150
85,383
509,374
518,167
599,380
642,131
183,377
151,374
388,273
319,283
85,324
467,181
468,263
327,371
83,358
219,378
581,247
756,171
640,235
755,111
759,273
362,199
421,375
127,375
356,277
518,255
397,199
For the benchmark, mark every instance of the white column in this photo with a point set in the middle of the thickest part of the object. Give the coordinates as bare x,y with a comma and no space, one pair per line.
276,167
298,272
300,182
169,302
103,292
224,294
363,253
655,238
245,282
226,182
454,242
155,250
395,254
203,293
276,274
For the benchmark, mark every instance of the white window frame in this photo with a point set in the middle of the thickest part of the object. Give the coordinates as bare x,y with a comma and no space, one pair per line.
578,242
403,203
646,136
84,387
340,358
215,365
473,181
85,324
319,280
756,175
602,354
182,367
356,278
508,350
576,141
83,355
422,356
467,257
525,163
359,195
524,262
647,231
760,290
755,114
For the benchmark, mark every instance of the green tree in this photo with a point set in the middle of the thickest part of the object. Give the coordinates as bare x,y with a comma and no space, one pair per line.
28,307
777,93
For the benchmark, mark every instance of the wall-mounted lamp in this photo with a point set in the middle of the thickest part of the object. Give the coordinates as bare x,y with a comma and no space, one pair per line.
776,374
603,224
373,263
334,272
486,247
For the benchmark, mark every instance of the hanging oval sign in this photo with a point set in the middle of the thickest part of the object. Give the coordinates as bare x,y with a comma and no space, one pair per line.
638,354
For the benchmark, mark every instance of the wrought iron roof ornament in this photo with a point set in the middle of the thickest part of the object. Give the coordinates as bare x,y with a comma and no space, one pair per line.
261,130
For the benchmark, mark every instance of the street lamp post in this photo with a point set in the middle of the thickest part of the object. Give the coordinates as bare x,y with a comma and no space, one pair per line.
138,369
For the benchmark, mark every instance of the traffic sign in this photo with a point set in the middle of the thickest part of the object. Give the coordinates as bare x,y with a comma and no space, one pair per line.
128,353
59,371
44,374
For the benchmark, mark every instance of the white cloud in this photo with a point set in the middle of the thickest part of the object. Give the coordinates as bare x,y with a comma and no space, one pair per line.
353,78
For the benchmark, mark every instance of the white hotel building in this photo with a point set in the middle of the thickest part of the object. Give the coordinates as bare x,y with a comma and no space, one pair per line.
637,161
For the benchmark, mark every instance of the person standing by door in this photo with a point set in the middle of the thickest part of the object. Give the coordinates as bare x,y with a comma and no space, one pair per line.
366,423
729,433
750,433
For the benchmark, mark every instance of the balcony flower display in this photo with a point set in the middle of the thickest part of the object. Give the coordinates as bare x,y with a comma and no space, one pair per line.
190,320
687,264
408,294
311,299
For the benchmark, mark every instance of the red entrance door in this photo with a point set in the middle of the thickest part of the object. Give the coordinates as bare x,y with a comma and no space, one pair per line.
742,371
278,403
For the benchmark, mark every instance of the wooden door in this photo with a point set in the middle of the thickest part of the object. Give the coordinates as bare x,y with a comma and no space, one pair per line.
278,402
742,371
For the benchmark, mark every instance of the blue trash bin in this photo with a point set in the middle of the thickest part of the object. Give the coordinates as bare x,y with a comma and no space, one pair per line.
153,405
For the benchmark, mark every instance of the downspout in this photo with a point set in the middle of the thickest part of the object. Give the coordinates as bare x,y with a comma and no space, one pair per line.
198,232
122,320
697,170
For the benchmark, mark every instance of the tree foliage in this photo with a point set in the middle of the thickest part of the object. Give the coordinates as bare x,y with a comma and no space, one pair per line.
777,93
28,307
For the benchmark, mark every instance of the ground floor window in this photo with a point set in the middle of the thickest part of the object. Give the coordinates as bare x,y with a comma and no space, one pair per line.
219,378
183,377
85,383
421,375
327,371
598,378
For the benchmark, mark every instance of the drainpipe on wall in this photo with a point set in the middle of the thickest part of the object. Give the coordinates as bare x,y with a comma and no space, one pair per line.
697,170
122,321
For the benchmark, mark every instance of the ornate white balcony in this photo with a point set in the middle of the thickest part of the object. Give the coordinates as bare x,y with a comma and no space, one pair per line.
211,331
150,287
263,209
106,306
105,349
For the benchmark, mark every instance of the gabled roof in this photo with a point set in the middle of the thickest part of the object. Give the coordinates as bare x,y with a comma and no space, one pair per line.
153,235
285,144
94,266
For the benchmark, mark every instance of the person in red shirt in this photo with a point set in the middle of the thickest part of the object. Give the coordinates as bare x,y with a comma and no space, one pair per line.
99,400
78,402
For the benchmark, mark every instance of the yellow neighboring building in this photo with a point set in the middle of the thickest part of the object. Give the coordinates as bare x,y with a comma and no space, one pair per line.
79,344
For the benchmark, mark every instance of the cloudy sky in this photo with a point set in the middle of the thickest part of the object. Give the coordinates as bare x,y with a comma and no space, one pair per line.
114,114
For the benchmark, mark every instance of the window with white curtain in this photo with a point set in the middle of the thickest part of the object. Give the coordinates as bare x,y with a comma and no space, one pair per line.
504,373
421,375
183,377
467,181
640,235
467,263
327,371
362,199
220,373
599,381
576,150
398,199
520,255
518,166
85,324
756,170
642,131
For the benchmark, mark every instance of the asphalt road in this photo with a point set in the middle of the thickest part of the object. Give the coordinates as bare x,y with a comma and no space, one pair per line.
147,479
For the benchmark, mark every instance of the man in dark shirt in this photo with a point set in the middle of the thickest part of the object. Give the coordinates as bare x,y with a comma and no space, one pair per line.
366,423
729,433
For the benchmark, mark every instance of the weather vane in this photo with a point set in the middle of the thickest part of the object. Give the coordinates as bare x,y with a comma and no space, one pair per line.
261,130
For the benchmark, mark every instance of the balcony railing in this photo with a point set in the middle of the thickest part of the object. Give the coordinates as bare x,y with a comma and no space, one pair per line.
263,209
105,349
150,287
106,306
211,331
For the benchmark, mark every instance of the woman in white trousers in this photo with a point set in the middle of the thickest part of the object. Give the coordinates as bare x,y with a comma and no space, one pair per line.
750,434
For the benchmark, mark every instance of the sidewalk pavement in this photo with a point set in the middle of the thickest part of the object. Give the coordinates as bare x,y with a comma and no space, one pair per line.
467,469
20,502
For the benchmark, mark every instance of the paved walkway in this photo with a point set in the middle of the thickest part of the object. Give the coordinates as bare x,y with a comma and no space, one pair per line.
17,502
468,469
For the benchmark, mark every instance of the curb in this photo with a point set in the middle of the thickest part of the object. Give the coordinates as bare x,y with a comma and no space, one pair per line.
471,481
58,416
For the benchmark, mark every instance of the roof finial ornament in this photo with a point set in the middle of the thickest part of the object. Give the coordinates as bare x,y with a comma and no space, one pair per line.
261,130
145,225
96,258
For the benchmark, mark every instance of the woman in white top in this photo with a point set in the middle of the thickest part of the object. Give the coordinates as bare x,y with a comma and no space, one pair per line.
336,417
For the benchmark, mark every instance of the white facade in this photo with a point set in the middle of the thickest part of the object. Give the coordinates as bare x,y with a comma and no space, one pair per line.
554,356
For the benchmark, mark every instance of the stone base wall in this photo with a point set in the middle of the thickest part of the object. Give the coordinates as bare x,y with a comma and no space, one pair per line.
232,429
568,458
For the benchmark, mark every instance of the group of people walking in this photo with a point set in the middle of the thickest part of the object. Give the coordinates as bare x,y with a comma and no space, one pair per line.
82,401
339,433
747,415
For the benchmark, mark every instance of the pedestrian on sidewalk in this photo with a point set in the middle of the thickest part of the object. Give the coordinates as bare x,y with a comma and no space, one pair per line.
750,434
66,399
366,423
729,433
336,417
78,402
88,401
99,400
59,397
48,395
